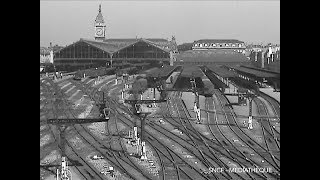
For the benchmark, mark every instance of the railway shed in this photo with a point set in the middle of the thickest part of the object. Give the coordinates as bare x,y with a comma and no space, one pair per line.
94,72
127,70
162,73
141,66
277,72
191,71
157,77
270,78
90,53
121,65
188,73
220,71
219,81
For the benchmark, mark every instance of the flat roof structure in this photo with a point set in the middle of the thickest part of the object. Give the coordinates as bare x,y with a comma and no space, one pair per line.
254,72
221,71
163,72
261,69
191,71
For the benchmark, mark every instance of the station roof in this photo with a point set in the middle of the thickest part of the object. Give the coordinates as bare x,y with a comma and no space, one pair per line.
254,72
141,64
191,71
114,45
275,71
162,72
212,55
223,72
121,64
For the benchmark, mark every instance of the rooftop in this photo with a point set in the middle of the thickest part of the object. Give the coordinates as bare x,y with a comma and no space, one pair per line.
114,45
255,72
218,41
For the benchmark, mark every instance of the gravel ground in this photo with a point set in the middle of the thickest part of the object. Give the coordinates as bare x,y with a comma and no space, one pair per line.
77,143
45,140
179,150
53,156
152,165
43,127
98,129
270,92
103,166
86,112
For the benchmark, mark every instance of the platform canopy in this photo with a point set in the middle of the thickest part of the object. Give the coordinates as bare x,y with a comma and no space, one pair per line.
221,71
192,71
163,72
254,72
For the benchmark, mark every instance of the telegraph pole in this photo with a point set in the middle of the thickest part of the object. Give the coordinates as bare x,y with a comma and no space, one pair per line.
250,98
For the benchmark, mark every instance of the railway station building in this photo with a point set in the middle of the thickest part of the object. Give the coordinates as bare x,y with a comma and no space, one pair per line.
215,44
102,51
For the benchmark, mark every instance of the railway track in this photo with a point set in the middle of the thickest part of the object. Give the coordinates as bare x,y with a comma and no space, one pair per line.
196,144
246,138
154,147
92,96
232,157
270,137
88,175
178,137
256,151
129,123
235,159
113,159
112,102
275,105
224,138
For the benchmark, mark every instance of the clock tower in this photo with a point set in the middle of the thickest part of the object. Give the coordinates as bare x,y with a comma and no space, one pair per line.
99,27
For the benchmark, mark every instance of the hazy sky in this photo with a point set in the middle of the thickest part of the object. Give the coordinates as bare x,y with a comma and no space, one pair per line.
64,22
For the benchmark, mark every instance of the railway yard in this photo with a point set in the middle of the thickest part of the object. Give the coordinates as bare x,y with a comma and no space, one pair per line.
200,122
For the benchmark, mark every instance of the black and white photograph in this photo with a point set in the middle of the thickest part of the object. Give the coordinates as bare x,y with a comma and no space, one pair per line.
160,90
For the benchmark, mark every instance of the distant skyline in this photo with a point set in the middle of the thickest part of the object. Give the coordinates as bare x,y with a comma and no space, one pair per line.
65,22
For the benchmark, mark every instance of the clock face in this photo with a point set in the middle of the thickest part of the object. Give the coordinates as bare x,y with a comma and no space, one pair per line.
99,31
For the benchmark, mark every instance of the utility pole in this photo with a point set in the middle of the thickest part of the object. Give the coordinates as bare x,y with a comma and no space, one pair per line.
250,98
